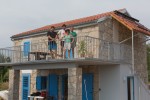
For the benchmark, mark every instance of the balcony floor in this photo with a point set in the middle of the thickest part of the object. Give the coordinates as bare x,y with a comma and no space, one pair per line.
59,63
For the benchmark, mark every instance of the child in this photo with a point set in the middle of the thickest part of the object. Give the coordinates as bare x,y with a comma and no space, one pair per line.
67,44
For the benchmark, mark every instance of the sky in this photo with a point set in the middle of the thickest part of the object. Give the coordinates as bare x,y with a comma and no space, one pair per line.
18,16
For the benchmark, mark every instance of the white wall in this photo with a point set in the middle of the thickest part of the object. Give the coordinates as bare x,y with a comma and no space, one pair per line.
110,82
113,83
125,71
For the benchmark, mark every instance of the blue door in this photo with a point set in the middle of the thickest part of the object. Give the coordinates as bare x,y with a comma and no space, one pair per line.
25,86
26,48
64,87
87,86
53,86
38,83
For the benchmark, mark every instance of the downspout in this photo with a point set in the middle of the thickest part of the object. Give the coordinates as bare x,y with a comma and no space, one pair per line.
133,52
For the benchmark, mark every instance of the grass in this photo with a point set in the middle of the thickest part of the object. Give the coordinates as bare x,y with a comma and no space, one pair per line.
4,86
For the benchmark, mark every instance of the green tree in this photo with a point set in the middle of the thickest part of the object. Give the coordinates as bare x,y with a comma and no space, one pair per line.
4,73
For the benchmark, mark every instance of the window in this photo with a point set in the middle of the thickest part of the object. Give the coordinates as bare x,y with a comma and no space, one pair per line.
26,48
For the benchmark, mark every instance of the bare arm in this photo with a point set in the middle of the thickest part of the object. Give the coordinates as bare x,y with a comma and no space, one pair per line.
72,40
49,37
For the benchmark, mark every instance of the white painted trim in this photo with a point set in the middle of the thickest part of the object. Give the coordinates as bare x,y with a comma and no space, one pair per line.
26,71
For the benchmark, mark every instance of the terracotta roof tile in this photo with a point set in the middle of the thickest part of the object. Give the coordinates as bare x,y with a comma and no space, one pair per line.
71,22
126,22
132,25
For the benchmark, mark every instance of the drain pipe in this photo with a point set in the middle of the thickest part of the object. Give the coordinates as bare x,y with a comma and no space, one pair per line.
133,52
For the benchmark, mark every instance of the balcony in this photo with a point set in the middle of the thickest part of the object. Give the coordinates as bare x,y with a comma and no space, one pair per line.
86,48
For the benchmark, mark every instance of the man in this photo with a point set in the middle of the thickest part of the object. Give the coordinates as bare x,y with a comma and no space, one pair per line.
74,40
52,46
61,34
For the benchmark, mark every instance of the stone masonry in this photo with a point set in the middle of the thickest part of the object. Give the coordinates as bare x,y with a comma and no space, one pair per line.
74,83
14,76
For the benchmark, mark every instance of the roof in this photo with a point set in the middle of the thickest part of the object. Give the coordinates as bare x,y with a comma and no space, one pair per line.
131,24
128,23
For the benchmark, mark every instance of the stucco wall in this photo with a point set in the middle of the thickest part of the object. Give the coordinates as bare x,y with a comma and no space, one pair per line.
109,77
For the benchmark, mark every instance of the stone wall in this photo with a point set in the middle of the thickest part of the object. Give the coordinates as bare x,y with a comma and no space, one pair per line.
84,31
75,83
106,30
141,57
140,54
14,76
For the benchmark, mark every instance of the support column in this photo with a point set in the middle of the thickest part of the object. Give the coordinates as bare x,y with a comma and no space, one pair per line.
14,78
75,83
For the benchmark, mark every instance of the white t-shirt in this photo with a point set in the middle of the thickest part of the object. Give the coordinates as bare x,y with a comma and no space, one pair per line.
61,33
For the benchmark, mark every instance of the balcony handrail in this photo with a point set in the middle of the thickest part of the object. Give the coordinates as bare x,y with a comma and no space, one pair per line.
96,48
60,40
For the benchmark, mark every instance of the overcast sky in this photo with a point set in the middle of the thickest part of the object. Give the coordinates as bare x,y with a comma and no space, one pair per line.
22,15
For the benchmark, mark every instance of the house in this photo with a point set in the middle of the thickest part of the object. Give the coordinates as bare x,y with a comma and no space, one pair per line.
112,65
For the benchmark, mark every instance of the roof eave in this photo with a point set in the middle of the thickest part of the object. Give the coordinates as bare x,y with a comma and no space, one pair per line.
85,24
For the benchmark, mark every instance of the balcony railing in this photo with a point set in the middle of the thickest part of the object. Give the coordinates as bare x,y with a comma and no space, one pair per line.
86,48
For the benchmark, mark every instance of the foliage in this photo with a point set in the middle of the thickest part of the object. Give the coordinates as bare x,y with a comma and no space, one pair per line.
148,60
82,48
4,86
4,73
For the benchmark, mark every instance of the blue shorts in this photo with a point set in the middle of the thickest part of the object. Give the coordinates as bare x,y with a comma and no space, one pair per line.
52,45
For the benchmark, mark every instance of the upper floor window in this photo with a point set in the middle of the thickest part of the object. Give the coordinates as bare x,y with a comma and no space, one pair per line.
26,48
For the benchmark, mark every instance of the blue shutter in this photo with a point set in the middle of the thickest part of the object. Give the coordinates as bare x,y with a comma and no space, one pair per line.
87,86
63,86
38,83
41,82
53,86
25,86
26,48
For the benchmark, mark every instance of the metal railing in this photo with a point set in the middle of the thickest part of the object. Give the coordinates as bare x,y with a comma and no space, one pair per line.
86,47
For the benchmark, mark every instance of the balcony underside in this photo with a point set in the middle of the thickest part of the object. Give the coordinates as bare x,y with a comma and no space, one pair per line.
59,63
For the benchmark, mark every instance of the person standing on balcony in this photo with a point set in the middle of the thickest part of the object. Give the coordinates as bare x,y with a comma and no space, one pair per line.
52,46
61,34
67,43
74,35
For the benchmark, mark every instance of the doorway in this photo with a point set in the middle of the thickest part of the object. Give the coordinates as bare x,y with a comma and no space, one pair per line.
130,88
64,87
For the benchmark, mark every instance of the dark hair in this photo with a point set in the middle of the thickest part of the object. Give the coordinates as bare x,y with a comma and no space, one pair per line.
64,25
67,30
53,27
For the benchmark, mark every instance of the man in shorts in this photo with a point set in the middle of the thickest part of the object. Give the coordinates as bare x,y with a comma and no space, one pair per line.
67,43
74,35
61,34
52,46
